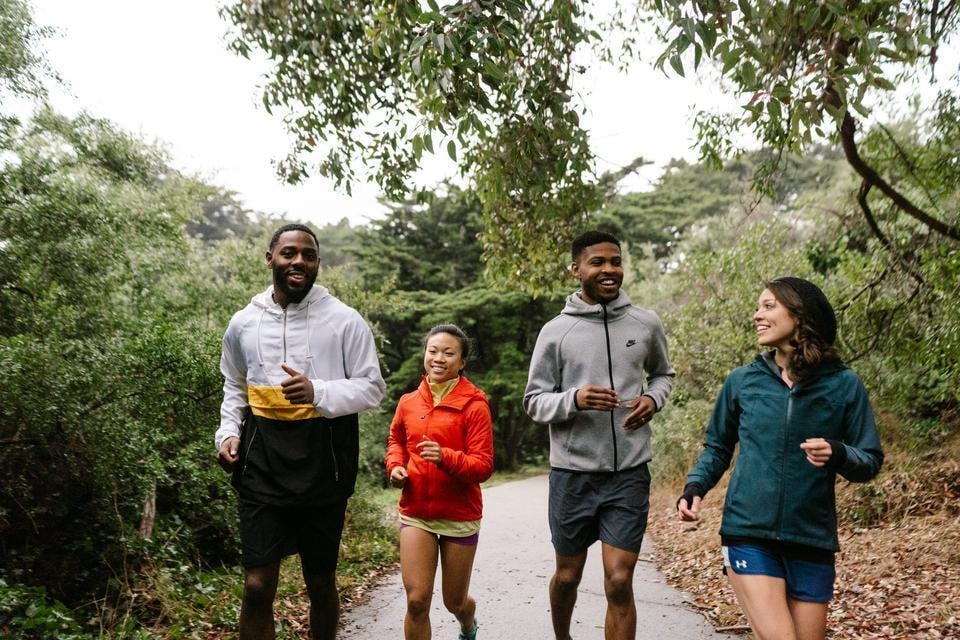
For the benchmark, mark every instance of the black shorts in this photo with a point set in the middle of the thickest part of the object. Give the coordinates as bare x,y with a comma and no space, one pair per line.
268,533
610,507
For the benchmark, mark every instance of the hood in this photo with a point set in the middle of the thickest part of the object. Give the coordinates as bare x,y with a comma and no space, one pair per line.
575,306
766,362
264,300
462,394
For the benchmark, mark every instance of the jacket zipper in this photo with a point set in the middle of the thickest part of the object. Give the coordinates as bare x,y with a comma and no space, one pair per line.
613,428
284,334
783,461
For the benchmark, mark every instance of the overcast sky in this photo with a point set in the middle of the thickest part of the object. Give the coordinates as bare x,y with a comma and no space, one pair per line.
162,70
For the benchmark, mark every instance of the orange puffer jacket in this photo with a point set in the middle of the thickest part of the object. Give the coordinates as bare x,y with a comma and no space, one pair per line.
463,427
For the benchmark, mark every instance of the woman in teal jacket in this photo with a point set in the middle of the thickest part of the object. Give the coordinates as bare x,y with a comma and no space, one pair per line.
800,417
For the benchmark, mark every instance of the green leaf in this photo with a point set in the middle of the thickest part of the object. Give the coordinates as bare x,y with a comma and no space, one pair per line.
677,64
773,108
428,142
493,70
452,150
885,84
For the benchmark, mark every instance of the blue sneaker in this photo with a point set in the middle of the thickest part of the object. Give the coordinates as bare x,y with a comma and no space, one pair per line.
470,635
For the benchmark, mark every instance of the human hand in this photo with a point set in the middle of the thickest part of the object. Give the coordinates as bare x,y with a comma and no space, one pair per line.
429,450
594,398
229,453
643,409
297,389
818,451
689,512
398,477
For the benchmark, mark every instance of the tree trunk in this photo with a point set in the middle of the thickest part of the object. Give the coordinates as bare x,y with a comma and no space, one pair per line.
149,512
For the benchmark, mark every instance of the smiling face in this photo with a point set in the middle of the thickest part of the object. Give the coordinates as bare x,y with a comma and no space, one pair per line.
295,262
599,268
443,357
775,326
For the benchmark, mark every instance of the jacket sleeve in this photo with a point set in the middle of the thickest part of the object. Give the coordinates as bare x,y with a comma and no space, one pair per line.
234,370
475,463
660,373
864,454
720,441
363,386
544,400
396,443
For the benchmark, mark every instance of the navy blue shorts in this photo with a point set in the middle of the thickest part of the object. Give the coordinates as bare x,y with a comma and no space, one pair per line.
610,507
806,581
268,533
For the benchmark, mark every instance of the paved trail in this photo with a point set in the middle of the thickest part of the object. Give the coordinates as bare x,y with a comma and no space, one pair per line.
513,564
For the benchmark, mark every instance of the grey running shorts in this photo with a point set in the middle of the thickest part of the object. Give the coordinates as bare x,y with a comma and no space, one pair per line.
610,507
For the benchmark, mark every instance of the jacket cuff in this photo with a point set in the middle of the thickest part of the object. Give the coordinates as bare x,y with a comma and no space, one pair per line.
656,405
691,491
838,454
318,388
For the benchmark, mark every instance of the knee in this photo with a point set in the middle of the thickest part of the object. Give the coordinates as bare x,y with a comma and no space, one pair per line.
457,606
566,581
259,590
321,586
418,603
619,587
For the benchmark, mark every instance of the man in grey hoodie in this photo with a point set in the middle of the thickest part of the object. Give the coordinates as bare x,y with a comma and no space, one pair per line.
598,374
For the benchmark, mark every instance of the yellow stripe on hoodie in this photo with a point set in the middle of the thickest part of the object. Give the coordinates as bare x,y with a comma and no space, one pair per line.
268,402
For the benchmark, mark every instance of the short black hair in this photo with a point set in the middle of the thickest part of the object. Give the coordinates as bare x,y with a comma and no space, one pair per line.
589,239
292,227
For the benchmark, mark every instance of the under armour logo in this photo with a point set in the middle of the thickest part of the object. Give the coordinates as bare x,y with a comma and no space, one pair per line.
740,564
630,343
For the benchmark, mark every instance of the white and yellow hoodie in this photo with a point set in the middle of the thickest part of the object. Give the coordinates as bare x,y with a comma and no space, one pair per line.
297,453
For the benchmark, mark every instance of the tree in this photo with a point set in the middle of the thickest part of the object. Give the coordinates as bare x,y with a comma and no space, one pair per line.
429,246
488,81
376,83
812,70
22,66
110,365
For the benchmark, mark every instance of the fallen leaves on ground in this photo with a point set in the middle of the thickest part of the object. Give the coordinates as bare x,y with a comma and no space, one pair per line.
899,578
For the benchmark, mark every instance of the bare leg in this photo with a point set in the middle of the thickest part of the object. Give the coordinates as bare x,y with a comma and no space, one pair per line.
563,592
764,601
324,604
618,567
456,564
418,566
809,619
256,611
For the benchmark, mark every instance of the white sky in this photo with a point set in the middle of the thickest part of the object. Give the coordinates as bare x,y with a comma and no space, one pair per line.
162,70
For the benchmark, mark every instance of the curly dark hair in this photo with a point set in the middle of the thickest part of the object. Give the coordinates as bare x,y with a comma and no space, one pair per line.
809,347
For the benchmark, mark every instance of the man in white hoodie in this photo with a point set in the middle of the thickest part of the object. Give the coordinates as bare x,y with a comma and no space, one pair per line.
598,374
298,365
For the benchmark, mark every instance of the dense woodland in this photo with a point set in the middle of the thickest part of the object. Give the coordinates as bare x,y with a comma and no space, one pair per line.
118,274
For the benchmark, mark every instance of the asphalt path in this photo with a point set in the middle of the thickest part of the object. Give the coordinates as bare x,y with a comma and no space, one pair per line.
513,565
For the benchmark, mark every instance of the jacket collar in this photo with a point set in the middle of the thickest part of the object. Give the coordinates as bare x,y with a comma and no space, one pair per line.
765,362
458,398
575,306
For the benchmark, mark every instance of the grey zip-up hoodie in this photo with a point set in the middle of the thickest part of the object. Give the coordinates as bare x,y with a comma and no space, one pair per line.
614,345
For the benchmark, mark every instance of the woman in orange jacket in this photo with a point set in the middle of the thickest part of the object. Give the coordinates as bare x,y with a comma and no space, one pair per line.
439,451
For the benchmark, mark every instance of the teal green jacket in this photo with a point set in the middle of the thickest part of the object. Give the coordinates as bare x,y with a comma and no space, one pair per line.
775,493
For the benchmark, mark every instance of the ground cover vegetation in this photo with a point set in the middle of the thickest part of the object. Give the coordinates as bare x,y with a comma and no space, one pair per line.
118,274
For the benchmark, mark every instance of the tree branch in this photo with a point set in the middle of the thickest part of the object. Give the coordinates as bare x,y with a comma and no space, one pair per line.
847,140
875,228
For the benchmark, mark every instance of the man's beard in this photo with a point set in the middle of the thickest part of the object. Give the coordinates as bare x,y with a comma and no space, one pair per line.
293,294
